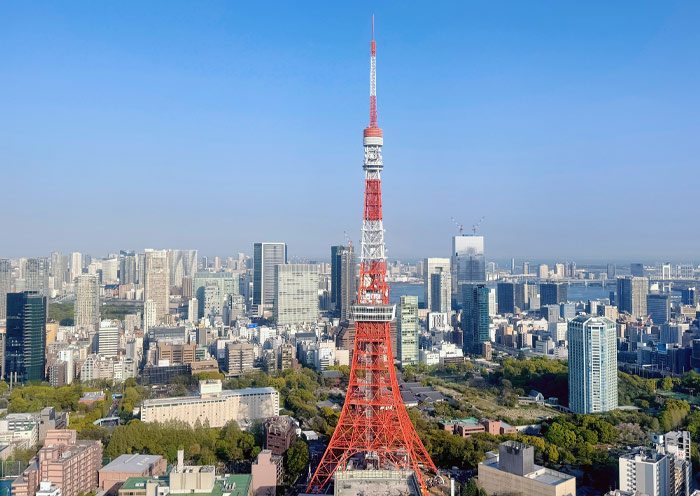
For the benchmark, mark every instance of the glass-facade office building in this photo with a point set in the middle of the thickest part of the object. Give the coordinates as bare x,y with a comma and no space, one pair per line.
25,336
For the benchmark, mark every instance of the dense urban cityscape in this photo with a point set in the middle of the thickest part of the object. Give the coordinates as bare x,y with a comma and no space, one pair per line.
264,371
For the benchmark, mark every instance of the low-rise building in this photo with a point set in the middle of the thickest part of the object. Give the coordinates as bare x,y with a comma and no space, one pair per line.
267,471
280,433
121,468
513,471
214,407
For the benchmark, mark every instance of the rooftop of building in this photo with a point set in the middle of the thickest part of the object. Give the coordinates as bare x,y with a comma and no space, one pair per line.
227,392
231,485
140,482
131,463
540,474
376,483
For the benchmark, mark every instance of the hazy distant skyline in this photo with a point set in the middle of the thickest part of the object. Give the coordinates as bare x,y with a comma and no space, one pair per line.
572,128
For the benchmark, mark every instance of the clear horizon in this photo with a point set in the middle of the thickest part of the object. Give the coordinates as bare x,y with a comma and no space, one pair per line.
571,128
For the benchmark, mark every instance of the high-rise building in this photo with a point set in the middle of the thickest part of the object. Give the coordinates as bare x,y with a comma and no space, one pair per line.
86,308
239,358
644,471
150,314
632,296
5,276
408,331
637,270
467,261
440,267
76,265
157,282
475,316
221,285
526,268
38,275
522,297
59,270
265,257
343,280
592,364
659,307
688,296
505,295
542,271
25,336
296,293
553,293
612,272
108,338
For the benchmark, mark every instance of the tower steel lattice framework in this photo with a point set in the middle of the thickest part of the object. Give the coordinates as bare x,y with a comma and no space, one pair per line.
374,430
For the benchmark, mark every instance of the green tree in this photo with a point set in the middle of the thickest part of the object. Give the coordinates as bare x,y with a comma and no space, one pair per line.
667,384
296,458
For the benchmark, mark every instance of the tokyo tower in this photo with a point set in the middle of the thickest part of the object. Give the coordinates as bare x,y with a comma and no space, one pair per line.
374,430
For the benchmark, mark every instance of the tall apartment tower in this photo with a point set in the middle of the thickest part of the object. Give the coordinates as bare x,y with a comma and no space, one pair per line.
25,336
408,331
343,279
592,364
265,257
296,293
38,275
157,282
468,263
442,267
5,276
475,316
632,295
86,308
505,295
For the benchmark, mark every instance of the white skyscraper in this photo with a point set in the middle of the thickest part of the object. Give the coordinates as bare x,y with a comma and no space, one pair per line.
76,265
296,293
86,308
157,282
592,364
440,266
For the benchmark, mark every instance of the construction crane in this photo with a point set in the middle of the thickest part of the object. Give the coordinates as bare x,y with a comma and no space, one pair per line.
347,238
475,226
459,226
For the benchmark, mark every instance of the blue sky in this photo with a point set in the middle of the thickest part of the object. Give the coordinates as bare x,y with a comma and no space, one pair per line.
571,126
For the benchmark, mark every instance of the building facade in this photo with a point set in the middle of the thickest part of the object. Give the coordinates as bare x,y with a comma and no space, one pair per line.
296,293
592,364
408,331
265,257
25,340
157,283
467,261
214,407
441,267
632,296
86,308
475,316
343,280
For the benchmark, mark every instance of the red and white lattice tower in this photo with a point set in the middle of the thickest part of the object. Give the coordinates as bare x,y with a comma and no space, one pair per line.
374,430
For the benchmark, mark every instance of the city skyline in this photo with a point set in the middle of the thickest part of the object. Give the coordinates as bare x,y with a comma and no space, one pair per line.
527,106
